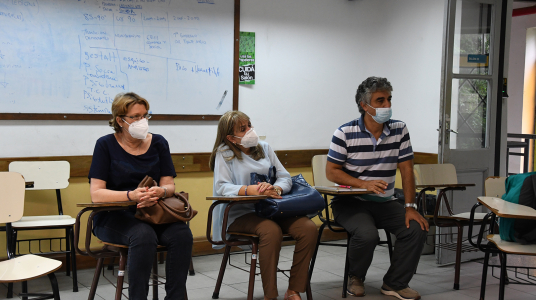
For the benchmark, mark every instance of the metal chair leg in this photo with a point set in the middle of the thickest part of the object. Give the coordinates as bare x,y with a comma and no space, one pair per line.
313,259
389,245
24,290
251,286
96,278
506,280
502,281
346,267
54,284
308,291
73,263
484,276
155,278
121,273
9,290
68,254
216,293
458,257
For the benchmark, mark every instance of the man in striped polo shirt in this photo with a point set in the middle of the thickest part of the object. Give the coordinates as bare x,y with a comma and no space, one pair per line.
365,153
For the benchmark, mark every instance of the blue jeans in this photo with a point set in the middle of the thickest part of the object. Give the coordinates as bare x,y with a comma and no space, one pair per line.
121,227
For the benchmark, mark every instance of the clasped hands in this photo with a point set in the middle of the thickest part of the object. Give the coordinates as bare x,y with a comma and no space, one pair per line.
265,188
147,197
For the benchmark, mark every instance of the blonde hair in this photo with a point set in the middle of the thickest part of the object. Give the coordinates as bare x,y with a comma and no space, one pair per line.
226,127
122,102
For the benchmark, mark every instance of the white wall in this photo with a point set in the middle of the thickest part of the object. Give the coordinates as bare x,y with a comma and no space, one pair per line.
311,56
516,76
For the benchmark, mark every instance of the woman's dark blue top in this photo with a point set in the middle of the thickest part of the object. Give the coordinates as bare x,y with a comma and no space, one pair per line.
123,171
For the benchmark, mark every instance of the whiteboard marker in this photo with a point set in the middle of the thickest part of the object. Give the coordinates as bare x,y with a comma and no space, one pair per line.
222,98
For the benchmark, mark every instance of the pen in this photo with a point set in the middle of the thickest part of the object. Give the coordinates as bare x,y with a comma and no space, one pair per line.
345,186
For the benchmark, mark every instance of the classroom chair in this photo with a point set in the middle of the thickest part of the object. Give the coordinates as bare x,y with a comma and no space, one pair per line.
443,178
25,267
46,175
238,239
110,250
494,244
494,186
319,179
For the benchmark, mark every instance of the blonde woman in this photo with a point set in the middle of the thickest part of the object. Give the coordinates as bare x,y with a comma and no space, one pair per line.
237,153
120,161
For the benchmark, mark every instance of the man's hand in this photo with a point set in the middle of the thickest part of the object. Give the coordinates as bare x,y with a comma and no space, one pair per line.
375,186
412,214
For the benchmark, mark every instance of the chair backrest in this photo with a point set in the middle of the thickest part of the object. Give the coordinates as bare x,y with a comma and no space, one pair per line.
46,175
12,198
494,186
431,174
319,170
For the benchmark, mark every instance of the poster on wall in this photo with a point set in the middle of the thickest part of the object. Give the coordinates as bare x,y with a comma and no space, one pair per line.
246,58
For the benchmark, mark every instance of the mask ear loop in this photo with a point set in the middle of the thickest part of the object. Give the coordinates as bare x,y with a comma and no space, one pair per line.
372,108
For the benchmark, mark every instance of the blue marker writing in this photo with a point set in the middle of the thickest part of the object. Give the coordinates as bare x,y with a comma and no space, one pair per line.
222,98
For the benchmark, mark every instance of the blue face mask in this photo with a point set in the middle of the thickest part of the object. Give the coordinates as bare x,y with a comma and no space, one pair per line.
382,114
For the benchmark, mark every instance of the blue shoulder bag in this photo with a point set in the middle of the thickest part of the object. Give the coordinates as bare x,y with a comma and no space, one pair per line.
302,199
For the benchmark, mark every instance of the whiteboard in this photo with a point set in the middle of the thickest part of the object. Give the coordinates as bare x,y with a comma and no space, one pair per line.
73,57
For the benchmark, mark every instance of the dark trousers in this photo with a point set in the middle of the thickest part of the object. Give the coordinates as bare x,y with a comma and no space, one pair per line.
121,227
270,233
362,219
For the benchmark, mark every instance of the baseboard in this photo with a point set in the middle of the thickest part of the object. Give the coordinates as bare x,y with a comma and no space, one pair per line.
201,247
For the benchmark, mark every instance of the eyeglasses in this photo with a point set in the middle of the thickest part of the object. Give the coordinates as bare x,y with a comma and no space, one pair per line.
137,118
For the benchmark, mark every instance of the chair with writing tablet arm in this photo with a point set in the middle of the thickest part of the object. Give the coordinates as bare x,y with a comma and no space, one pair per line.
237,239
328,188
111,250
443,178
25,267
46,176
492,242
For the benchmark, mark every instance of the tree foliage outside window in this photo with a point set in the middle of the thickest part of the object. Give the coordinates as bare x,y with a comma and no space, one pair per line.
472,96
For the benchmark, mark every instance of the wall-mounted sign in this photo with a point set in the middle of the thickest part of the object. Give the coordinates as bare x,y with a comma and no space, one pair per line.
474,60
246,58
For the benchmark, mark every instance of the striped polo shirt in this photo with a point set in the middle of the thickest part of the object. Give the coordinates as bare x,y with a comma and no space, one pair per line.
362,157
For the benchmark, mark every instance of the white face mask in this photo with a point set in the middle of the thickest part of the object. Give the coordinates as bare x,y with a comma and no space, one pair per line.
138,129
250,139
382,114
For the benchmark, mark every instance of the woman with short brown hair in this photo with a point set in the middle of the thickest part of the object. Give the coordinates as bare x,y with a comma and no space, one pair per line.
120,161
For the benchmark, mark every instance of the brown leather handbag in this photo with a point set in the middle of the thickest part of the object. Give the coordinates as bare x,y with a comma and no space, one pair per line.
169,210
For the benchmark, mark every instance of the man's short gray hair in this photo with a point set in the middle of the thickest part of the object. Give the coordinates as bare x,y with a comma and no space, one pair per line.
369,86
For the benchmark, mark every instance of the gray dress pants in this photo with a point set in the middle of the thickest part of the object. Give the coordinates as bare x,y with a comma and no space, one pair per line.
362,219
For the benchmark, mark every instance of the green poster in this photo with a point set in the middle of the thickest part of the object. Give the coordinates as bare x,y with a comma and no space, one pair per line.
246,58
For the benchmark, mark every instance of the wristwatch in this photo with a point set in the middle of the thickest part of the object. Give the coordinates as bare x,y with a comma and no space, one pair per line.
278,190
414,205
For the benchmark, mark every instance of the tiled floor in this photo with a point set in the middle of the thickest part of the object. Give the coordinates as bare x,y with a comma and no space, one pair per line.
433,282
